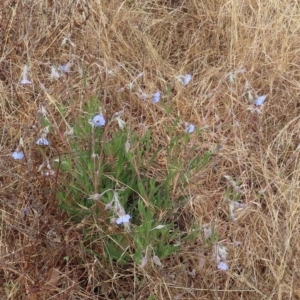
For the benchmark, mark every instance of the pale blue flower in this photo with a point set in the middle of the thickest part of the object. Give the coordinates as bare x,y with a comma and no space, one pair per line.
222,266
123,219
18,155
26,210
260,100
189,128
186,79
98,120
42,142
156,97
66,68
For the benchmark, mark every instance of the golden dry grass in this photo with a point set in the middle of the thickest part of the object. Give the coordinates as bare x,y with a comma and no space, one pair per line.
208,39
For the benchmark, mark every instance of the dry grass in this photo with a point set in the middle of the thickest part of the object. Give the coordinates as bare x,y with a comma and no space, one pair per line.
208,39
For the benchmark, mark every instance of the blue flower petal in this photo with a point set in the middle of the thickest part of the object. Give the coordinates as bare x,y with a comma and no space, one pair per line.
98,120
190,128
42,142
222,266
186,79
18,155
123,219
260,100
156,97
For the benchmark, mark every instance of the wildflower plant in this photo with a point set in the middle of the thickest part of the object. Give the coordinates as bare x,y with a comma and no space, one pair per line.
108,183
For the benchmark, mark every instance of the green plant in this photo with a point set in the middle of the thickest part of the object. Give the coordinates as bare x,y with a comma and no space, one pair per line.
104,173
